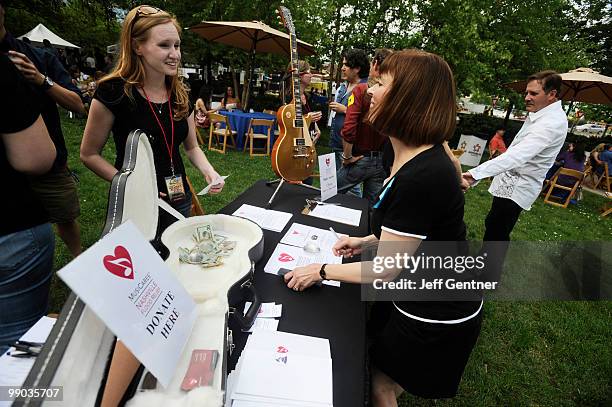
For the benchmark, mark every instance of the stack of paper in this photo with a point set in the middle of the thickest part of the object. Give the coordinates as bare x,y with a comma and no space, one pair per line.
337,214
282,369
265,218
290,252
266,316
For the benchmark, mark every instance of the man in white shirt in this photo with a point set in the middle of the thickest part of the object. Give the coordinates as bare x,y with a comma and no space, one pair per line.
519,172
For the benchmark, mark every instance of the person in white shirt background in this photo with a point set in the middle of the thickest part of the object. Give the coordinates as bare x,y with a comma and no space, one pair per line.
519,173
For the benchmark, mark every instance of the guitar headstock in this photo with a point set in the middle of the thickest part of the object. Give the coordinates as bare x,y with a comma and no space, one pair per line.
285,16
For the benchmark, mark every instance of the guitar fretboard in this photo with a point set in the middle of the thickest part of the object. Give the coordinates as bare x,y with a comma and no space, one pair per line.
295,77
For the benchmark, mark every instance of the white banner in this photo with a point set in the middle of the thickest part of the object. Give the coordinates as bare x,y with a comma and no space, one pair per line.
473,148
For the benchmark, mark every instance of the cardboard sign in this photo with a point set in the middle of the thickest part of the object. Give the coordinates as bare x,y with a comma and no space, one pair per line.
129,287
473,147
327,171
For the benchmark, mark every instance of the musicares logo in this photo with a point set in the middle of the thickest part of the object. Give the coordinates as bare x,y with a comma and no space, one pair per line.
327,161
282,357
284,257
120,264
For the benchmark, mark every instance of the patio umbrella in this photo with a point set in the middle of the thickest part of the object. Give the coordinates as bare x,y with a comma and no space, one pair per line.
252,36
579,85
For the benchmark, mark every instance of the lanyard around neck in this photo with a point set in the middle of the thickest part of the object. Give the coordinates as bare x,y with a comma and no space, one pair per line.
169,147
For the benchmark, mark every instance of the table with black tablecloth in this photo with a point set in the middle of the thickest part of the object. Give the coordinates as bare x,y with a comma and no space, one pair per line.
335,313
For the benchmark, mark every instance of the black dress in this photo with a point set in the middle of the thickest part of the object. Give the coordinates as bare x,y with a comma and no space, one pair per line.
135,113
424,346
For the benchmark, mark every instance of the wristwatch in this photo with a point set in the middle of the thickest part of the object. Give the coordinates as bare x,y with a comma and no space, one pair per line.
47,83
322,271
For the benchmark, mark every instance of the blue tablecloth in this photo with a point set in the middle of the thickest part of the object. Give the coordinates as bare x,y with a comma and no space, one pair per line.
240,123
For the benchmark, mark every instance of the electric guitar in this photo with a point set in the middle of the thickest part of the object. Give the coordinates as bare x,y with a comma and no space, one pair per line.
294,154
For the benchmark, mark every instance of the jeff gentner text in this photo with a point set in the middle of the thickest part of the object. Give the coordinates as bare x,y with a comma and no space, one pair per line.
436,284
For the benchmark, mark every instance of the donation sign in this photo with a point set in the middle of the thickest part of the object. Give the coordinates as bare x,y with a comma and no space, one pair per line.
129,287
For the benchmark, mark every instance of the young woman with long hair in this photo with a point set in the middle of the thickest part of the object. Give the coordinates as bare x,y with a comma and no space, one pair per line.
144,92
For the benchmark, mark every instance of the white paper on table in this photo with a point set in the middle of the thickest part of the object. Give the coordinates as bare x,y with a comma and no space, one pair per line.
14,371
290,257
265,375
265,218
327,176
299,234
301,344
267,309
129,287
209,186
265,324
337,214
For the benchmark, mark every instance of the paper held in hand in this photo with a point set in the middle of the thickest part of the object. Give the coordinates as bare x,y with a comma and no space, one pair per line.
209,186
128,286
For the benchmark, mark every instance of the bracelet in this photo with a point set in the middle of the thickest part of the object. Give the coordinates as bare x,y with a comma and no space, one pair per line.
345,157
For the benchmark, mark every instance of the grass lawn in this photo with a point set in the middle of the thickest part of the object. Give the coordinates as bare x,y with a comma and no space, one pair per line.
529,353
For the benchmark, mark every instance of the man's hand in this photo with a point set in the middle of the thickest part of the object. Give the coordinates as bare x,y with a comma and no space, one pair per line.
351,160
27,68
337,107
467,180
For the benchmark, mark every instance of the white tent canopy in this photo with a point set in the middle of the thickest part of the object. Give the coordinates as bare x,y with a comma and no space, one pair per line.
40,32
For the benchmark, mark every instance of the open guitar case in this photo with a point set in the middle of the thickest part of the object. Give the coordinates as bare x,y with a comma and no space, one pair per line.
77,354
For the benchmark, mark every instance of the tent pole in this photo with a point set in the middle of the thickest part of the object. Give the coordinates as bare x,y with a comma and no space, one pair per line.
249,74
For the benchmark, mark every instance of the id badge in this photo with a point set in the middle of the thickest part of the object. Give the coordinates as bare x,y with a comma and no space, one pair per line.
176,189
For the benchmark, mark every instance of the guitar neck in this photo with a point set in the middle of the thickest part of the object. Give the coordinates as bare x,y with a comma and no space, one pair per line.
295,78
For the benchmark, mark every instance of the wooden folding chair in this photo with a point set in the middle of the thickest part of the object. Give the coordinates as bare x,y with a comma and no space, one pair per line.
252,136
273,113
196,207
220,134
551,199
607,209
601,181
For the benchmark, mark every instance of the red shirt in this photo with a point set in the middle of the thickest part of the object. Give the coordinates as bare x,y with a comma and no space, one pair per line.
497,144
363,137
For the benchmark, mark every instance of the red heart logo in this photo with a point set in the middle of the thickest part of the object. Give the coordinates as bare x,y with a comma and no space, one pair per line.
282,349
284,257
120,264
327,161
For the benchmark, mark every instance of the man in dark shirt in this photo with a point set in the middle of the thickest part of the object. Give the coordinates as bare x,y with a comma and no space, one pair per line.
26,237
51,85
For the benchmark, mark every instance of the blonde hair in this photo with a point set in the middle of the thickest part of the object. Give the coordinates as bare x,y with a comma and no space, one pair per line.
129,66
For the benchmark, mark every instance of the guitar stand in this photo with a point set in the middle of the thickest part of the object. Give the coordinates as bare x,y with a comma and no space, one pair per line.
281,181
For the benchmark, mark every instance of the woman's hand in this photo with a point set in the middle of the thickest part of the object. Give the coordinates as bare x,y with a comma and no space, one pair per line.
347,246
219,183
303,277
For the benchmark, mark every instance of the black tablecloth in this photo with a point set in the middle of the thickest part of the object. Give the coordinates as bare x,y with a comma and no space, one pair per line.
335,313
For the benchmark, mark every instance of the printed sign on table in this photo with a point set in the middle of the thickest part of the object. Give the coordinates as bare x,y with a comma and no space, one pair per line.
473,147
327,171
128,286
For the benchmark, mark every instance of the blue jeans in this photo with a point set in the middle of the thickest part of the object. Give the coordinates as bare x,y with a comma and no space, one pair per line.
356,190
26,262
369,171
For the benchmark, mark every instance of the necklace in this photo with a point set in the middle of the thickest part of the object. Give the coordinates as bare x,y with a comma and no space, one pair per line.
159,106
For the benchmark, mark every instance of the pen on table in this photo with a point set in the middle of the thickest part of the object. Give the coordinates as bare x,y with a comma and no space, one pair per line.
334,232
